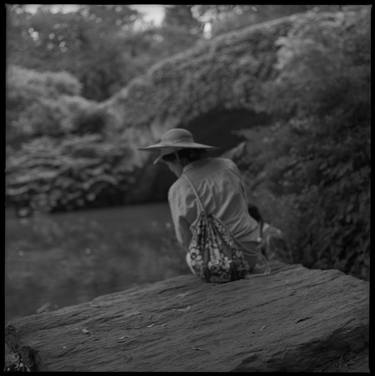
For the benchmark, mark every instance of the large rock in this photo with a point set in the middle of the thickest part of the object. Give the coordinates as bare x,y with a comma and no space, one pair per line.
215,81
292,320
214,89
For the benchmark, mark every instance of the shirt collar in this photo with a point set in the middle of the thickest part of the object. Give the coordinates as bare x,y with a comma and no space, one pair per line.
192,164
187,167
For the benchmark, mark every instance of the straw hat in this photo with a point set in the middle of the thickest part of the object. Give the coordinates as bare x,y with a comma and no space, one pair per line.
173,140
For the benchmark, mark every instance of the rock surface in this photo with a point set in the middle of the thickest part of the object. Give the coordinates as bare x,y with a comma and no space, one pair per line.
295,319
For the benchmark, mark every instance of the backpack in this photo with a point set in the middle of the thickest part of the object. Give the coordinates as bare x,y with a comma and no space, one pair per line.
213,253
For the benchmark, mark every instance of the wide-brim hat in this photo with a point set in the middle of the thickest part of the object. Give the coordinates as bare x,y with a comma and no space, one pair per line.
174,140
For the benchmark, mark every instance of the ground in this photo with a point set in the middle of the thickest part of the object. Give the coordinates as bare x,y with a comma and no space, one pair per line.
295,319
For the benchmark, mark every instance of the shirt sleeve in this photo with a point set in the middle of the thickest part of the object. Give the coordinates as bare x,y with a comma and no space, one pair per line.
180,211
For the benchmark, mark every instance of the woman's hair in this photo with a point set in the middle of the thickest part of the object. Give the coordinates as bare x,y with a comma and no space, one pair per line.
186,155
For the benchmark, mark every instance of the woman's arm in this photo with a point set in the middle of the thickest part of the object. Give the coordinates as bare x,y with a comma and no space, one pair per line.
180,212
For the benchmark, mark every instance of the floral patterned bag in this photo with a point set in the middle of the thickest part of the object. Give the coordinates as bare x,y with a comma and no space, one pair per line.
213,254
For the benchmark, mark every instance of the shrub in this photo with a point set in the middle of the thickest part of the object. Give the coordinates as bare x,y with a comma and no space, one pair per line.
34,105
321,153
80,171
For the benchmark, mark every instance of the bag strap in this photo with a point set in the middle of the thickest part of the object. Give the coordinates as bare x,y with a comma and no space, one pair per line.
261,225
201,208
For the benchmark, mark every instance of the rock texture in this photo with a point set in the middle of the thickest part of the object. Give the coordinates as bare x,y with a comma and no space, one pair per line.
213,89
292,320
223,74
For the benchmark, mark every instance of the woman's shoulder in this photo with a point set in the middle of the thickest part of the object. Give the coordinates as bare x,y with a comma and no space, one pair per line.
220,161
174,188
207,165
177,187
225,163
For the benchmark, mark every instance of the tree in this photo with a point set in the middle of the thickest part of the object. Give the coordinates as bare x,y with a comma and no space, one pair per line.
180,30
322,95
90,43
36,104
224,18
102,45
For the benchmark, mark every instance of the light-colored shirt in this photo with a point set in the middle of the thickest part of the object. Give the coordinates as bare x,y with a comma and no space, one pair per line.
220,187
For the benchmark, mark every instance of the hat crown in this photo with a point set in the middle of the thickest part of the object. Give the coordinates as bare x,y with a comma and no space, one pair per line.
176,136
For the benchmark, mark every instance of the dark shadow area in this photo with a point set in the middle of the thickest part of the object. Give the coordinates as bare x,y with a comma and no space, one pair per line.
151,185
218,127
163,180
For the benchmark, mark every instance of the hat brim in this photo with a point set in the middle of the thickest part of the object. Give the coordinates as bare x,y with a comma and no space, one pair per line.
187,145
165,149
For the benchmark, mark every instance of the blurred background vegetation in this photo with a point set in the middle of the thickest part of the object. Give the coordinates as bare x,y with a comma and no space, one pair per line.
306,157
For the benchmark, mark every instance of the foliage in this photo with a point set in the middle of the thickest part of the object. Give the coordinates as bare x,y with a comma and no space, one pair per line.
180,29
61,151
225,17
86,117
104,46
309,73
87,43
47,104
102,50
210,77
80,171
34,106
320,151
49,84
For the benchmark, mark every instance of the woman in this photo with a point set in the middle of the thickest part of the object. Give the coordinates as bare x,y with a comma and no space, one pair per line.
217,182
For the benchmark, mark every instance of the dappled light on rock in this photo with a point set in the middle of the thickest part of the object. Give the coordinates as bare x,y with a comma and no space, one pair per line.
294,320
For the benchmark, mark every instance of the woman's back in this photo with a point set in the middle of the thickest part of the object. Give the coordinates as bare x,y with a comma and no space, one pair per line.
216,183
220,187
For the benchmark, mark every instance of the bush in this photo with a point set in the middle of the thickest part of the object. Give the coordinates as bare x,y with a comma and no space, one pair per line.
61,155
34,105
46,84
320,154
78,172
86,117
